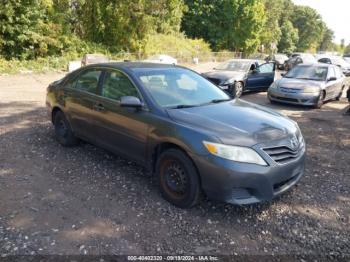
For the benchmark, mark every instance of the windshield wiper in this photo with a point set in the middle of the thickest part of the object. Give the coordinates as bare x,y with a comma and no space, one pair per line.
183,106
220,100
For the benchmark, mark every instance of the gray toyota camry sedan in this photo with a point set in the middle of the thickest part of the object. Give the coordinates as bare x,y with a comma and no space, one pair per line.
189,133
309,85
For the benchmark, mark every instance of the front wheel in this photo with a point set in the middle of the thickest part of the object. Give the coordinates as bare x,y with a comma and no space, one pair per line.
320,100
178,179
237,89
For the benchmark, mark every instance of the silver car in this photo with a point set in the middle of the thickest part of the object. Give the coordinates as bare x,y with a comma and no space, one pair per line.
309,85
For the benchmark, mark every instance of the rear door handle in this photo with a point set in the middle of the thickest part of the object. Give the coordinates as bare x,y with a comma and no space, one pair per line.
99,107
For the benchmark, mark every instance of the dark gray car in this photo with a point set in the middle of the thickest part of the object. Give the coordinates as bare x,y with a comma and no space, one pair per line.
185,130
239,75
299,58
309,85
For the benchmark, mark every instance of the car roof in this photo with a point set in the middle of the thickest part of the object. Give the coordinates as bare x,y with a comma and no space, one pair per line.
243,60
133,65
317,64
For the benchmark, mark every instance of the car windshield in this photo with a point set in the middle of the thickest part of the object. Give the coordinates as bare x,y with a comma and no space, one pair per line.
234,65
318,73
179,87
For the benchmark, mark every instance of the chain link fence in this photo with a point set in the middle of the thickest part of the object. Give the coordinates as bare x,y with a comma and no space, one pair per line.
182,57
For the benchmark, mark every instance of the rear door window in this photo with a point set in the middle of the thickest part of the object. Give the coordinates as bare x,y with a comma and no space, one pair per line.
88,81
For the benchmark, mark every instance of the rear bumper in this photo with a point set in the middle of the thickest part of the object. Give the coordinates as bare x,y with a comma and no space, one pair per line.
306,99
241,183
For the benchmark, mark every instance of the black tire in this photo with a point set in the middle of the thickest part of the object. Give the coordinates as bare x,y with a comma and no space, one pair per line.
340,94
63,131
237,89
271,101
320,100
178,179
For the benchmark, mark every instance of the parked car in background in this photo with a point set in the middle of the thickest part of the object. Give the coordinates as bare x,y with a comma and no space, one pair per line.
186,130
338,61
309,85
347,58
299,58
279,59
239,75
258,57
89,59
162,59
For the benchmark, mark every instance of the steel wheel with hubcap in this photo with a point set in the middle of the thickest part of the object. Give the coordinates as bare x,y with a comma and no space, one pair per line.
237,89
178,178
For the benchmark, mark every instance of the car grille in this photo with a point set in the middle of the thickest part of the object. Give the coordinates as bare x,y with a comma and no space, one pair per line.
283,154
214,81
290,90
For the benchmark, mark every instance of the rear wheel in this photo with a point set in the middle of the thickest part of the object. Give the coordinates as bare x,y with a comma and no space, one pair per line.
340,94
178,179
63,131
237,89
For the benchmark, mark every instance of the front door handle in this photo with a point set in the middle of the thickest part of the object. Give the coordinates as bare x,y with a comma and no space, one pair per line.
99,107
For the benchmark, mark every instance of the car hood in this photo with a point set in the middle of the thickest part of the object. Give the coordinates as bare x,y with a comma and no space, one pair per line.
236,122
223,75
299,83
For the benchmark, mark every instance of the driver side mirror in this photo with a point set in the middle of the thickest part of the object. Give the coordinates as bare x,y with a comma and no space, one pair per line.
283,74
332,79
130,101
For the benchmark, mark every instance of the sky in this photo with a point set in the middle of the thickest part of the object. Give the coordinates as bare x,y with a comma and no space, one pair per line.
335,13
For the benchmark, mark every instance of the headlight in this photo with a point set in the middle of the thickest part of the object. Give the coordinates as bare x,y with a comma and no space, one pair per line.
235,153
311,89
273,85
229,82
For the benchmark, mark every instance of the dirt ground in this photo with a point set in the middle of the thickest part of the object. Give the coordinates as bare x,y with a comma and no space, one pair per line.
84,200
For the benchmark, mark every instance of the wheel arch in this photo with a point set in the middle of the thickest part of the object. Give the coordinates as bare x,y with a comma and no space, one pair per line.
54,111
162,147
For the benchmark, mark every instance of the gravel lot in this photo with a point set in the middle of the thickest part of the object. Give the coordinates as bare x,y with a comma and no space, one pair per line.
84,200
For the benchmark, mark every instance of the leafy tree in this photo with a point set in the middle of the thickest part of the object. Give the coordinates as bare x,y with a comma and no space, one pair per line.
271,32
289,38
327,40
20,24
166,14
342,43
347,49
225,24
310,27
125,24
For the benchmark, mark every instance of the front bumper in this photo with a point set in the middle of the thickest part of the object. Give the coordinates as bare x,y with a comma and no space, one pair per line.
243,183
306,99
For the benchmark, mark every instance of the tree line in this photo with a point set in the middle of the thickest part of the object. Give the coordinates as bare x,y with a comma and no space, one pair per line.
40,28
